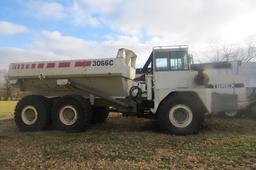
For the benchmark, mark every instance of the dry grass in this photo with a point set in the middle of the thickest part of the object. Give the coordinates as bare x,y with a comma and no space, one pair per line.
130,143
6,109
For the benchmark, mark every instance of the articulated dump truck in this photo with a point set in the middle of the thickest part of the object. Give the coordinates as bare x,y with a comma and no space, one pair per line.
72,95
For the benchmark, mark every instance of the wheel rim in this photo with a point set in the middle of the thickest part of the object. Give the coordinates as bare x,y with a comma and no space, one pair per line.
29,115
231,114
68,115
180,116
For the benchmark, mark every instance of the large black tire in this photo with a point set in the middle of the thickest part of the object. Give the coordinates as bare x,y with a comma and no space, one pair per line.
100,115
32,113
184,105
78,107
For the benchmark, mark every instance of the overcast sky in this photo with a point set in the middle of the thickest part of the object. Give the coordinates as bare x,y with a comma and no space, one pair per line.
68,29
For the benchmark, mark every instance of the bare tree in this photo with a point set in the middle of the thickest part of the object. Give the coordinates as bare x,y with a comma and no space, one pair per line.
251,52
7,88
235,53
227,53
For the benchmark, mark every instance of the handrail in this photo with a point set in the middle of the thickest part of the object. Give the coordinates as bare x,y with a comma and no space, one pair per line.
171,47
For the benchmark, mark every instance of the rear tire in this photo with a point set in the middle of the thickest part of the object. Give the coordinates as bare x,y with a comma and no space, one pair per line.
179,115
100,115
71,113
32,113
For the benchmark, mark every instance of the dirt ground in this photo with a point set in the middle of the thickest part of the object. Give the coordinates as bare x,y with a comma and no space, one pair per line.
131,143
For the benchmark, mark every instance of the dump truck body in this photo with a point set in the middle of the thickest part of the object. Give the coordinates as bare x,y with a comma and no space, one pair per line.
112,76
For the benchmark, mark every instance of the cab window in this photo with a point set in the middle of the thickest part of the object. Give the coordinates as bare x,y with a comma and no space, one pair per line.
162,61
178,60
171,60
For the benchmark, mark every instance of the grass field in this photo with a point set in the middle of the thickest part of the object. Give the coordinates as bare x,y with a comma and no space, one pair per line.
6,109
131,143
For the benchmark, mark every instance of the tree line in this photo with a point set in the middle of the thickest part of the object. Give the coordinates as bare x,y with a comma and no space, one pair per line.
232,52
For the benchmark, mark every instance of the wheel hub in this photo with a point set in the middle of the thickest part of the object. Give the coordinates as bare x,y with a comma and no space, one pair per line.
29,115
180,116
68,115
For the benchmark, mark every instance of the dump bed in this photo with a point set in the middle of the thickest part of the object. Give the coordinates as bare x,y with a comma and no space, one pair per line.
111,76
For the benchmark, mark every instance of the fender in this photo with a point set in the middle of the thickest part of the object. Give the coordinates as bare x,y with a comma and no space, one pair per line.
189,94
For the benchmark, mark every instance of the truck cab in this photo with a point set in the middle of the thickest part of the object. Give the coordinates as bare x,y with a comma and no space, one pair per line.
171,71
181,96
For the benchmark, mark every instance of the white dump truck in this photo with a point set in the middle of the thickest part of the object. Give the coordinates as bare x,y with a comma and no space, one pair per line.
72,95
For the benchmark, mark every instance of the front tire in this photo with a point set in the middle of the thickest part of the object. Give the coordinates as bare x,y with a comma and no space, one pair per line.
179,115
32,113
